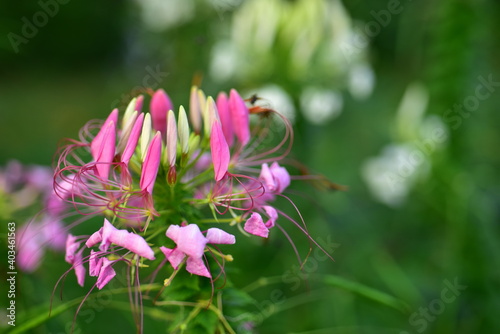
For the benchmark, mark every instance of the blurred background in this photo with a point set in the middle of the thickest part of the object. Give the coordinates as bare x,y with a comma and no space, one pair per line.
395,99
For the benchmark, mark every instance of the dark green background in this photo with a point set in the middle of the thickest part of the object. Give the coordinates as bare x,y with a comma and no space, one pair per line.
79,63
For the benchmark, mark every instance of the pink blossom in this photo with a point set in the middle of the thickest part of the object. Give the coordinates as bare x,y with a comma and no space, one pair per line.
191,243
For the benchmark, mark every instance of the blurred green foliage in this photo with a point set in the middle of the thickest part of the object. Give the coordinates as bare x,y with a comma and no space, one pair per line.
89,57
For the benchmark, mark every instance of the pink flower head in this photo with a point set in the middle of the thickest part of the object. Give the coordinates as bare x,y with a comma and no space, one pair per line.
225,118
220,151
275,179
151,164
108,234
103,148
74,257
159,107
240,117
255,224
191,243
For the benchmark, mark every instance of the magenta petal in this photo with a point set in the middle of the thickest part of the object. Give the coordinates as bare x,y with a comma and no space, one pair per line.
240,117
272,214
133,139
96,143
225,118
218,236
255,225
220,151
106,274
159,107
196,266
151,164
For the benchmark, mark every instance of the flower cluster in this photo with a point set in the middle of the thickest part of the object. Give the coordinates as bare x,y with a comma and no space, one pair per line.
172,173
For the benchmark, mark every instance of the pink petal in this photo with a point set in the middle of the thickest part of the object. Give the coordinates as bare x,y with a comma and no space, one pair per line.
254,225
129,240
97,141
218,236
151,164
159,107
79,268
95,263
272,214
94,239
106,274
174,256
190,240
106,150
240,117
267,178
225,118
71,248
196,266
281,177
220,151
138,103
133,139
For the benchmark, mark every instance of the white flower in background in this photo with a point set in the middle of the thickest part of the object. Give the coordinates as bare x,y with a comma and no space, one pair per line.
361,81
320,105
159,15
392,174
224,62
